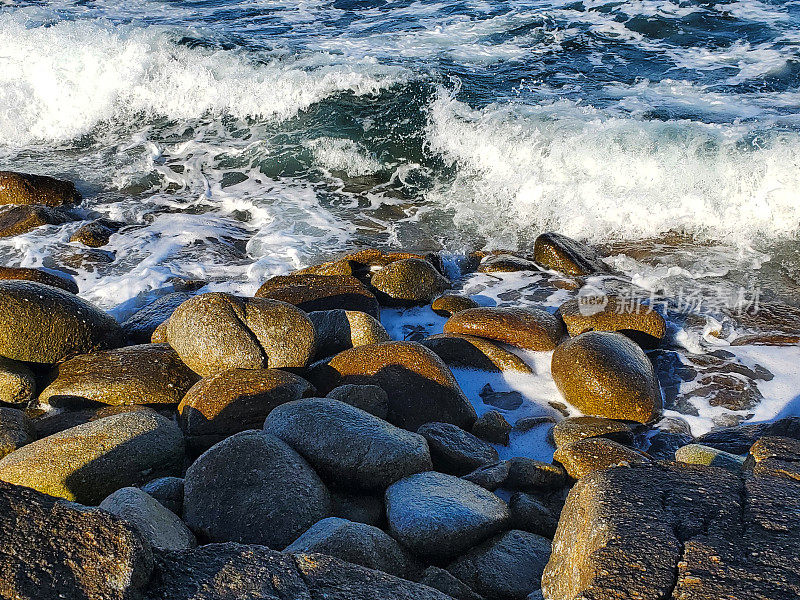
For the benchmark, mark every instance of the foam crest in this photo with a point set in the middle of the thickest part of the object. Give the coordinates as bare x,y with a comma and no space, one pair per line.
61,81
521,170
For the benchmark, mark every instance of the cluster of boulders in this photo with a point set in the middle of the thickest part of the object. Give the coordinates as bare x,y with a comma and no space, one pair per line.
284,446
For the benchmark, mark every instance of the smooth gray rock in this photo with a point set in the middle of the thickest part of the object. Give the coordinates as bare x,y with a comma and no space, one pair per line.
456,451
359,508
534,514
253,488
507,567
438,516
527,475
489,477
159,526
168,491
140,325
347,446
355,543
447,583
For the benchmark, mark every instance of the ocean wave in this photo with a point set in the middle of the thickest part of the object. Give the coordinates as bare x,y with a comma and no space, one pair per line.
59,82
572,168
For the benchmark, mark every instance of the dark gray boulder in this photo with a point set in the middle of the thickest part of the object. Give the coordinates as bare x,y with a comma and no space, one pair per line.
168,491
737,440
535,514
507,567
456,451
359,508
355,543
159,526
52,549
438,516
527,475
235,572
140,325
348,446
447,583
491,476
253,488
370,398
16,430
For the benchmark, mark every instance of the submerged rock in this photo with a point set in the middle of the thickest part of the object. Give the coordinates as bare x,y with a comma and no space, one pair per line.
347,446
528,328
22,219
25,188
39,276
253,488
96,233
144,374
215,332
438,516
607,375
560,253
419,386
220,405
43,324
88,462
51,549
321,292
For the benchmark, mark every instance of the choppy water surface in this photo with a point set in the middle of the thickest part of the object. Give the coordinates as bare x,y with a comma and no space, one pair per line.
242,139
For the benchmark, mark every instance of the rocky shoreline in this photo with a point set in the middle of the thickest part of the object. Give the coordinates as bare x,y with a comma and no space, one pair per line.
290,445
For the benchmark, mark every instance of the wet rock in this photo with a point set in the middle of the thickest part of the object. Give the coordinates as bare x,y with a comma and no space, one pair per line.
369,398
573,429
612,313
607,375
409,282
168,491
419,386
96,233
22,219
16,430
355,543
697,454
25,188
39,276
506,263
339,330
51,549
321,292
489,477
159,526
447,305
510,400
43,324
253,488
349,447
235,571
141,326
528,328
493,427
775,456
767,339
359,508
530,513
438,516
474,353
441,580
738,440
456,451
215,332
565,255
88,462
147,374
664,444
676,531
17,383
594,454
507,567
529,475
220,405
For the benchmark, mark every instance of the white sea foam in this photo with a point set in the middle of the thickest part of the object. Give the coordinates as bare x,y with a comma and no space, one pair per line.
579,170
60,82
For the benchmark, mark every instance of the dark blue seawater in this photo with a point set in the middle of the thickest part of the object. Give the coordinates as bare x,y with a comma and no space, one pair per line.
248,138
